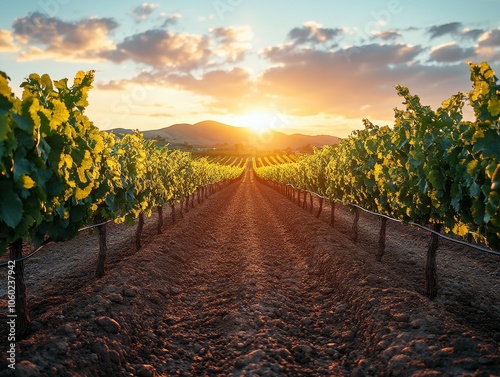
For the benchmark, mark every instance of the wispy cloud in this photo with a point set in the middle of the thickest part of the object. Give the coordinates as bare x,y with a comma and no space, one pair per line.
452,28
313,33
170,19
154,115
232,43
386,35
218,84
143,11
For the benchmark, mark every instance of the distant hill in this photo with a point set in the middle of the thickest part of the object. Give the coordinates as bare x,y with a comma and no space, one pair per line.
209,134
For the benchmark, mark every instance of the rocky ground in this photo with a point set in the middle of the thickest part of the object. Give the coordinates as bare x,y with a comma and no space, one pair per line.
248,284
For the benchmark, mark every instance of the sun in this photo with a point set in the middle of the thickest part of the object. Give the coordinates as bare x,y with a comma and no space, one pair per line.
257,121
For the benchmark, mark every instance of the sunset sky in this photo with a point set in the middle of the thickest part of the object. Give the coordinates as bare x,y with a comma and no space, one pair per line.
315,67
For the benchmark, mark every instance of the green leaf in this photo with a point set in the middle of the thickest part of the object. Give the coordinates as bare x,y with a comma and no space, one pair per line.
488,144
11,207
436,179
4,127
23,123
478,212
474,190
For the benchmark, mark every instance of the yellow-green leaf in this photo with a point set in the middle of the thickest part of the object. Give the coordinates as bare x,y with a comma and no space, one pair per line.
27,181
494,106
60,114
471,167
4,87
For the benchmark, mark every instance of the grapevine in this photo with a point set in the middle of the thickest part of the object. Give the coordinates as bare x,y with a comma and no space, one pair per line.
430,168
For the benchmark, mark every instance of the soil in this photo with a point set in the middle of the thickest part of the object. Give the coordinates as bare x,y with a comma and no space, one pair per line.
249,284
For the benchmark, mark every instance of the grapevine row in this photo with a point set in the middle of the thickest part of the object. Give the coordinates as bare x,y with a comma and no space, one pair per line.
431,167
59,172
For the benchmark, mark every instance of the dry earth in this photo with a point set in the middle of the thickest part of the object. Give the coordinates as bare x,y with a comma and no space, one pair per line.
248,284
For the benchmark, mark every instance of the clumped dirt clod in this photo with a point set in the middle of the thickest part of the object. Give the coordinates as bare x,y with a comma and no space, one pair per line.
248,284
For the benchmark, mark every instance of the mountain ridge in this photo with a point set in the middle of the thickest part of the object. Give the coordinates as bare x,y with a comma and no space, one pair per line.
210,134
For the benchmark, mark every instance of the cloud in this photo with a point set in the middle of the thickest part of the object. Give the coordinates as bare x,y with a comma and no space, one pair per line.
142,12
155,115
225,90
455,29
472,34
451,53
309,74
313,33
7,42
386,35
171,19
355,82
183,52
112,85
370,55
49,37
162,49
145,78
452,28
490,39
232,42
228,89
487,47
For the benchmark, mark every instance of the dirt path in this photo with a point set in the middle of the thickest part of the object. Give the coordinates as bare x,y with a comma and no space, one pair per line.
248,284
251,280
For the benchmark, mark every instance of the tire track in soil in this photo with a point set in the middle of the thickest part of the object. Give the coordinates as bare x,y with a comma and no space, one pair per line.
250,306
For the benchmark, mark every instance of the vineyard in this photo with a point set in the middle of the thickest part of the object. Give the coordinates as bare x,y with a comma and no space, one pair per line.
60,173
431,168
257,161
247,282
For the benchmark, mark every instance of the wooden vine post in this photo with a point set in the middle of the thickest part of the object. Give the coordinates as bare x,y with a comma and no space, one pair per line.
320,209
381,239
103,248
332,214
172,206
431,284
138,231
355,225
160,219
